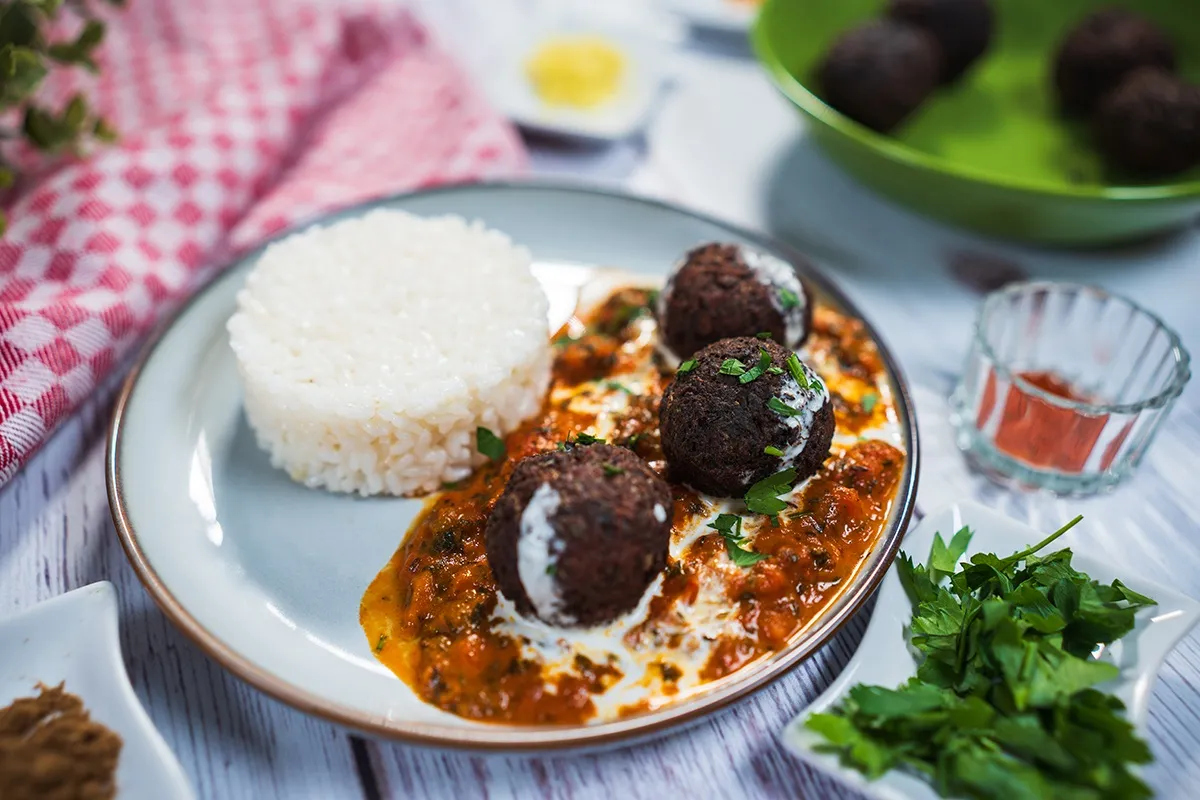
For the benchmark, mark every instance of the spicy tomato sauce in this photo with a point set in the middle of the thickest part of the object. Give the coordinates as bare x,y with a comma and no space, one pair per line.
431,614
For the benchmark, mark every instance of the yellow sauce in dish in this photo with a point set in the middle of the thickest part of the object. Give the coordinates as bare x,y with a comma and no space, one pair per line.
576,71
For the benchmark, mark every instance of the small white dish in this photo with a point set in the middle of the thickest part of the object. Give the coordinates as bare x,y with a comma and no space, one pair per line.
723,15
621,116
883,657
72,639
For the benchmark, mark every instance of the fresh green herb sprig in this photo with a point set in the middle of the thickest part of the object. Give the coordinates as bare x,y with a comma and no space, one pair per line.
687,366
755,372
731,366
783,409
489,444
763,497
27,56
1004,702
579,439
730,528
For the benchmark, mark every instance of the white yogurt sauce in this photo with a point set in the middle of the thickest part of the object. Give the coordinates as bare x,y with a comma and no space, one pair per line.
808,402
776,274
538,549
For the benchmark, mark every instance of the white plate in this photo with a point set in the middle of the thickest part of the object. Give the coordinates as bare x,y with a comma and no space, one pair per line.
883,656
508,88
722,15
267,575
72,639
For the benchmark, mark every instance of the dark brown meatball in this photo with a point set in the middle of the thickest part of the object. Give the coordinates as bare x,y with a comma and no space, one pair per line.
1102,50
1150,124
716,429
723,290
880,72
963,28
593,540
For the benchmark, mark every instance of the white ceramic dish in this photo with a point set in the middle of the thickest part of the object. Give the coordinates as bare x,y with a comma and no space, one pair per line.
883,657
508,88
73,639
267,575
722,15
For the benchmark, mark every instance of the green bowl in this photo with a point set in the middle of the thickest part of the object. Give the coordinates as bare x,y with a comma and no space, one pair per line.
990,153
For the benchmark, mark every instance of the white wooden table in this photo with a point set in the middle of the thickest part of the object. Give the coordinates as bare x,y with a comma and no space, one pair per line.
725,144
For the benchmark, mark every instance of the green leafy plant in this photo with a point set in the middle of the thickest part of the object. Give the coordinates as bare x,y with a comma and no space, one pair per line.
28,55
1004,703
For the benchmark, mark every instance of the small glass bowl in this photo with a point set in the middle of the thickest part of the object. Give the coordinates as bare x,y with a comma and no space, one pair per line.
1065,386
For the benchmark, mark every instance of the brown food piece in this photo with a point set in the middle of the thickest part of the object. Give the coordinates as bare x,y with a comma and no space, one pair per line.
1150,124
880,72
1101,51
50,749
963,28
715,295
611,545
715,429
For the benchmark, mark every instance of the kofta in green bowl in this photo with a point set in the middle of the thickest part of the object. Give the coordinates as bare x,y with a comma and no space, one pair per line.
1008,128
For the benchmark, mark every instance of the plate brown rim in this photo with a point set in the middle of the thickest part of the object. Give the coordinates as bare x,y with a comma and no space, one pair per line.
532,738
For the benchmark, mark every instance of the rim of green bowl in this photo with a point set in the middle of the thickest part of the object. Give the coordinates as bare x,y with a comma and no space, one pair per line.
809,102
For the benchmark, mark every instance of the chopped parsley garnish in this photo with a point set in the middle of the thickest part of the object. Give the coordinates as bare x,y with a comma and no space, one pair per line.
1005,701
783,409
564,340
489,444
379,644
763,335
788,299
449,486
763,497
868,402
687,366
618,386
551,569
579,439
612,469
731,366
797,369
773,370
730,528
772,450
764,361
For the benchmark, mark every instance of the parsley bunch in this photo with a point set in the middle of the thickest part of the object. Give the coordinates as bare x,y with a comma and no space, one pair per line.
27,55
1003,704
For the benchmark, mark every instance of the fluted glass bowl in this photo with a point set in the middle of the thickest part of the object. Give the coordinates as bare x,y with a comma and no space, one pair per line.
1065,386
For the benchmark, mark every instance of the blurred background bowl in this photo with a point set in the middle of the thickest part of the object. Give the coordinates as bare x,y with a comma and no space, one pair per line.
990,153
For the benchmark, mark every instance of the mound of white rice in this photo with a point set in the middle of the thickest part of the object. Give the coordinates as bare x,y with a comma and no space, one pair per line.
370,350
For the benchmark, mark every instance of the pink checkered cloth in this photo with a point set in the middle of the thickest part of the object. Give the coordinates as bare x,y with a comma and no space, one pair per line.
238,119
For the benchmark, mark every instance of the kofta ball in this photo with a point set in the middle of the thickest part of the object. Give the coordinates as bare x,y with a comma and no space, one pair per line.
879,73
1150,123
963,28
722,433
1102,50
578,534
722,290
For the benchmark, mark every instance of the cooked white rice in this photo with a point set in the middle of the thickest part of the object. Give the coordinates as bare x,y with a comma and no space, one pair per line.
370,350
